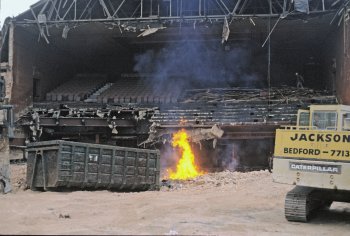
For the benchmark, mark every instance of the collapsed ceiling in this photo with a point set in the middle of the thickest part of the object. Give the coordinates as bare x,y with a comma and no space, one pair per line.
149,16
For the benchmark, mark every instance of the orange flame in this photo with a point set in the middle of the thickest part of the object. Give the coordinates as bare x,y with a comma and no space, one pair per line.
186,167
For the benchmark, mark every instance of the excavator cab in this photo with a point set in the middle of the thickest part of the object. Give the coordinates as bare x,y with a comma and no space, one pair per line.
328,117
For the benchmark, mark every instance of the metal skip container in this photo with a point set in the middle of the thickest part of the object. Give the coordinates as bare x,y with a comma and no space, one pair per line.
63,164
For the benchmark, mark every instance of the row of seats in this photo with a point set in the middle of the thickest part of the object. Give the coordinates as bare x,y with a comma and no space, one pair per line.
125,90
134,90
236,112
76,89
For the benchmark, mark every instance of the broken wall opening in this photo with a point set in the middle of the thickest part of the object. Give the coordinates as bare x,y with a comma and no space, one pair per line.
179,56
99,65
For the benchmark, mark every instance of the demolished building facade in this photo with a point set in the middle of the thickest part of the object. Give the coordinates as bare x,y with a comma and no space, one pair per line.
131,73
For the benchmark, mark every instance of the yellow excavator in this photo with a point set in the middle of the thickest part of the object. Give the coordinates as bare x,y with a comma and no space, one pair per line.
314,155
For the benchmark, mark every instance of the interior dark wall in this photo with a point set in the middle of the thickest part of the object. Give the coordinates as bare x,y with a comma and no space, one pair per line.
301,47
333,59
37,60
336,62
112,65
53,64
24,49
286,63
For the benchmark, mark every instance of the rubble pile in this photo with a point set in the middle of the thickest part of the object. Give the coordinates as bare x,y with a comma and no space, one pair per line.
18,176
284,94
227,106
212,180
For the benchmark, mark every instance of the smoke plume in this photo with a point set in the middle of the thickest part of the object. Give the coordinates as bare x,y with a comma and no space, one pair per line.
197,64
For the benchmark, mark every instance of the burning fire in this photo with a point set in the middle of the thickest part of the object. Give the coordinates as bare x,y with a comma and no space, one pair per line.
186,167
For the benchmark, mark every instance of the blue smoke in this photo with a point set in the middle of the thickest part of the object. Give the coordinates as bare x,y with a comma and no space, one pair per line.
197,64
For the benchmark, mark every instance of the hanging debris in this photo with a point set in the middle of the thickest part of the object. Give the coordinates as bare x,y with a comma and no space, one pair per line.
225,31
149,31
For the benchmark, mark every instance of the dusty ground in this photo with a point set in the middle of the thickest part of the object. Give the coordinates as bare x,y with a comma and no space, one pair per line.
226,203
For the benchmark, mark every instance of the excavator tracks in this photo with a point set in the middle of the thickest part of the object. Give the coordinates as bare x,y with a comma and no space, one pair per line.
301,202
296,204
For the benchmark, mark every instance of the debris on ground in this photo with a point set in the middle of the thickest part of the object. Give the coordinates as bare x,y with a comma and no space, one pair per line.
64,216
210,180
18,176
